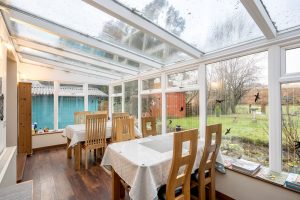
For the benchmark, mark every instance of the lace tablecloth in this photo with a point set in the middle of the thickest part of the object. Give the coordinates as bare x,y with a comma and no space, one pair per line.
144,164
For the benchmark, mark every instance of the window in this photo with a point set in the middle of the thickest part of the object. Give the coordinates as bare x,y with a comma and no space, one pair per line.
237,97
116,104
183,79
290,100
151,107
153,83
70,100
43,104
98,97
117,89
131,98
293,61
182,110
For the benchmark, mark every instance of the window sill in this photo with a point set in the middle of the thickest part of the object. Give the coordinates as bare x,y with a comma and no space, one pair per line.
48,133
254,176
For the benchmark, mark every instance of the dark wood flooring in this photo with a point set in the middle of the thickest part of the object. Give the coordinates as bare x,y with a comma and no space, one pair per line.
54,177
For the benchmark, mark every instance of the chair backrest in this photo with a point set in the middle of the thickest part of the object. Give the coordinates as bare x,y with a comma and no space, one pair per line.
79,117
124,129
210,153
145,129
95,130
101,112
182,163
116,116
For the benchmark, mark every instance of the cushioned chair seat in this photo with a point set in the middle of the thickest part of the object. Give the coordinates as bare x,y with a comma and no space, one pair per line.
162,192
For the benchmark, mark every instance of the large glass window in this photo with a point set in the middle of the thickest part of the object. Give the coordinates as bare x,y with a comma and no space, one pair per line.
153,83
238,99
182,110
290,100
42,105
98,97
117,104
117,89
151,107
69,102
183,79
131,98
293,61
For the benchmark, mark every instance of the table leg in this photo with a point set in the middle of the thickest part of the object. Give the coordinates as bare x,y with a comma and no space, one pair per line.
118,190
77,156
69,149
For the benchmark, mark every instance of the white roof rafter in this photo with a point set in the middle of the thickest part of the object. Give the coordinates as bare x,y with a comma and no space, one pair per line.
259,14
75,56
124,14
69,67
45,25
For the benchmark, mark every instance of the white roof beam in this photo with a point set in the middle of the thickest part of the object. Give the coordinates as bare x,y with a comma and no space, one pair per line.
259,14
64,32
75,56
124,14
70,67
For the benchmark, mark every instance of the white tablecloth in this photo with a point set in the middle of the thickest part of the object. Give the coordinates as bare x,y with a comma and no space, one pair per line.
144,164
77,132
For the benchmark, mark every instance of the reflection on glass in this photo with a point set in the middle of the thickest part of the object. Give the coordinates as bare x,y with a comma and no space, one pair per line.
207,24
153,83
237,97
151,107
293,61
84,18
290,98
182,110
131,98
284,14
98,98
117,89
116,104
183,79
42,105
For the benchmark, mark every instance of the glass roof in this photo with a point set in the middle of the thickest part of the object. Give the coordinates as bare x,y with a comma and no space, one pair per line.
206,24
84,18
30,33
52,57
285,14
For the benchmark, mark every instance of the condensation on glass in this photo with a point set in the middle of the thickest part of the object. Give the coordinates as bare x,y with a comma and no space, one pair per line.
182,110
292,61
237,97
183,79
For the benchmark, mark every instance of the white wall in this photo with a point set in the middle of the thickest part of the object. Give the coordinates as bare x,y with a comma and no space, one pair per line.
12,106
242,187
47,140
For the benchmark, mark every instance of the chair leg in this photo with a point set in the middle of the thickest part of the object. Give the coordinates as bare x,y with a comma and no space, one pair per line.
212,190
86,159
95,155
201,192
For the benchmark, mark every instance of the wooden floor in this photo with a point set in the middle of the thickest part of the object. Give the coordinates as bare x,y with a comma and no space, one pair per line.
54,178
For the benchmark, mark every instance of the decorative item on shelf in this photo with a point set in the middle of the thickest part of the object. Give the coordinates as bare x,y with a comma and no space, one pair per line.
46,130
35,127
178,128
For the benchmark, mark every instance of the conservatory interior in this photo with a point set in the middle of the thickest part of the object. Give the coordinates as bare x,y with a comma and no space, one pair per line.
150,99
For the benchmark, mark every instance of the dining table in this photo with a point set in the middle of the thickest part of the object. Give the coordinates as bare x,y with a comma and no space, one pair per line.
75,134
144,164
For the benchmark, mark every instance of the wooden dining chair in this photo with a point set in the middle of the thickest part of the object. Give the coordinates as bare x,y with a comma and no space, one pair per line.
95,138
80,117
204,177
178,185
116,116
125,129
149,130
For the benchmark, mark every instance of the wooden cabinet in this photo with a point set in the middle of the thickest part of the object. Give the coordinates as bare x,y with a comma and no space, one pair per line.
24,118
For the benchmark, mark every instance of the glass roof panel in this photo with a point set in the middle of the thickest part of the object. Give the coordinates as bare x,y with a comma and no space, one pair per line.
84,18
30,33
284,13
62,59
206,24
